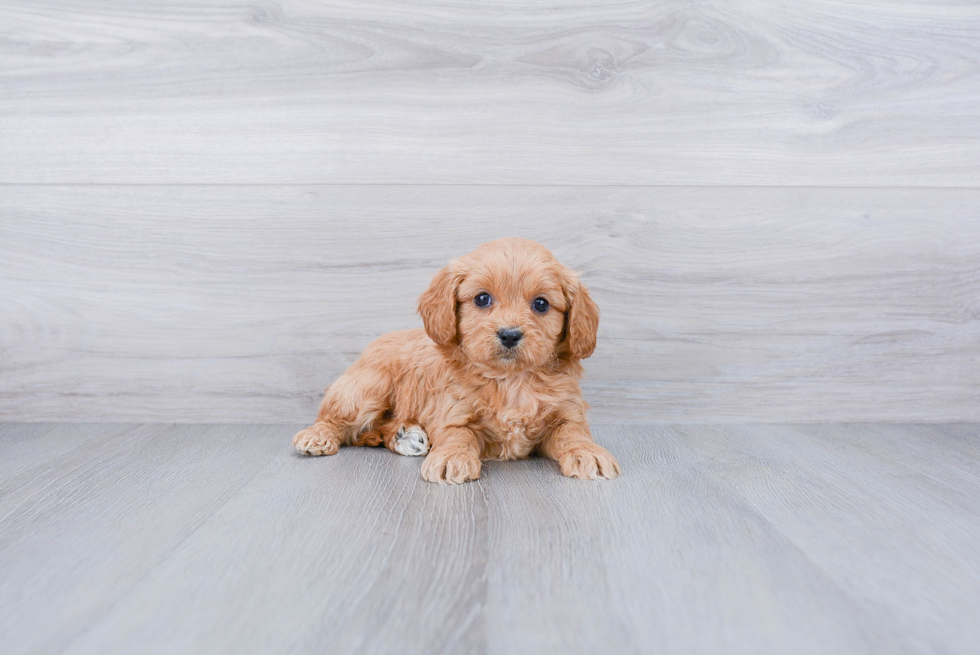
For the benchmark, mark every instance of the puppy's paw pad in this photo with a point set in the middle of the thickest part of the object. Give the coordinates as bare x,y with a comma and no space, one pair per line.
316,440
450,468
589,463
411,441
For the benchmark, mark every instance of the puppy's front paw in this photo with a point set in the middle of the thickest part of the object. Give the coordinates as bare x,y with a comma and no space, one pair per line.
411,441
588,462
450,466
318,439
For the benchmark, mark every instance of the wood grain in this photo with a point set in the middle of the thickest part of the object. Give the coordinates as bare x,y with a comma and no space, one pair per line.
761,92
238,304
739,539
667,560
354,553
79,530
848,500
29,447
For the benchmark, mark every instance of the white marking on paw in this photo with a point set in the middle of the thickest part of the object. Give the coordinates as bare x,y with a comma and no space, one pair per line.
411,441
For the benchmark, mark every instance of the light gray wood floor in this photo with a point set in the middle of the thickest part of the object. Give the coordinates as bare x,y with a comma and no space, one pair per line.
767,538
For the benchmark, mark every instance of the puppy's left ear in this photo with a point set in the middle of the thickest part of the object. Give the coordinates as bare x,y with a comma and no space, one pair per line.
437,305
582,318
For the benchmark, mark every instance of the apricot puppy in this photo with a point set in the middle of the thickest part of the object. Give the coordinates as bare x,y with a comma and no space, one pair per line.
494,374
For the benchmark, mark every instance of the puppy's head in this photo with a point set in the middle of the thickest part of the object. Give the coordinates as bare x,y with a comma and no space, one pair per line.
510,306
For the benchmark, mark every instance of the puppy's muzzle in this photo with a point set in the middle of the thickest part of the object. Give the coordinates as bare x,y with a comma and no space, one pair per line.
509,337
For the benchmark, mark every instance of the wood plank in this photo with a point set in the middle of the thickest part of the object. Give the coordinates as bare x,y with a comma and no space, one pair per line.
889,530
238,304
761,92
736,539
354,553
78,531
26,447
663,560
940,460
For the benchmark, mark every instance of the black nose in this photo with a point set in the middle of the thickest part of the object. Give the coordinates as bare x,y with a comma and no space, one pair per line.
510,337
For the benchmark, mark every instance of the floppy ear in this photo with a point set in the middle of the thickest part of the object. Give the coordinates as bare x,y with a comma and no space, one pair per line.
582,320
437,306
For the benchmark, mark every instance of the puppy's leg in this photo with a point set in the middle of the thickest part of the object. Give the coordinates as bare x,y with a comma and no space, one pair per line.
321,438
349,413
578,456
454,458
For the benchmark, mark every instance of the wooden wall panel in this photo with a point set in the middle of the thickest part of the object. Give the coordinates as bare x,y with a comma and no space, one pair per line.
228,303
208,208
755,92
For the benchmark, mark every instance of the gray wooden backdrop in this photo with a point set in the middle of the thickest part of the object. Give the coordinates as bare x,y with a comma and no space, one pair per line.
207,208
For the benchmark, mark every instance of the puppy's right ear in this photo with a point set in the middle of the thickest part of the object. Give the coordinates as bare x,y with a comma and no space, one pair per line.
437,305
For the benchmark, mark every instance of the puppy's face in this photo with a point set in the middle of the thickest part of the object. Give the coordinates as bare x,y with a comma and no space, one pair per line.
510,317
510,306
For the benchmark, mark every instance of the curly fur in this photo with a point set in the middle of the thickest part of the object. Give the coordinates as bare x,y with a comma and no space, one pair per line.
475,398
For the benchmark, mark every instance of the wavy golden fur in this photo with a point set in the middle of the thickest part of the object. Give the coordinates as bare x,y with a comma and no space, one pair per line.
476,393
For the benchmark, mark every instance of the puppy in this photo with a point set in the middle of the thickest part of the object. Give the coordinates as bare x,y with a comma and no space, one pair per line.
494,374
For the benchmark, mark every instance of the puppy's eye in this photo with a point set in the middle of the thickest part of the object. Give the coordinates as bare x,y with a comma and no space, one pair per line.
483,300
540,305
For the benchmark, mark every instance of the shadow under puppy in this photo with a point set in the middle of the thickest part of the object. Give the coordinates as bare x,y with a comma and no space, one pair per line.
494,374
